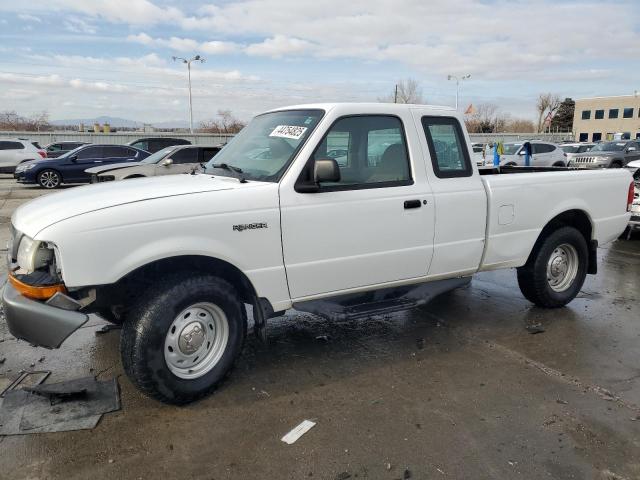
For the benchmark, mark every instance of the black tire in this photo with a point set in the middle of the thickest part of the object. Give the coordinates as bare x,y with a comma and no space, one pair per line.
616,165
49,179
142,341
134,176
532,277
111,315
558,164
511,164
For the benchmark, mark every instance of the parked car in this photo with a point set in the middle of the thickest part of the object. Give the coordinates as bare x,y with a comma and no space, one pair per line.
178,258
634,222
608,155
154,144
14,151
572,149
543,154
70,167
478,153
54,150
168,161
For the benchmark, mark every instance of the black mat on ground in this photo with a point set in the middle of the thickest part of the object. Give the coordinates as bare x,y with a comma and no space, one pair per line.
23,413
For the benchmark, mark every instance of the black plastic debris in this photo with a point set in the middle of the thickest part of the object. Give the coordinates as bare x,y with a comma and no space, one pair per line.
58,407
534,328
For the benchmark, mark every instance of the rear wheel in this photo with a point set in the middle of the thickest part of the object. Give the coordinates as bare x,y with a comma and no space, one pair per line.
616,165
181,339
558,164
49,179
556,269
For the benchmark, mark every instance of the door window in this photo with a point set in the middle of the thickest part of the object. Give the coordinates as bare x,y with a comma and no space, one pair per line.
539,148
208,154
11,146
118,152
185,155
447,147
370,151
90,152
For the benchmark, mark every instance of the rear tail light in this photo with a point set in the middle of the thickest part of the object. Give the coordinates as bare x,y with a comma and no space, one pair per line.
42,153
630,197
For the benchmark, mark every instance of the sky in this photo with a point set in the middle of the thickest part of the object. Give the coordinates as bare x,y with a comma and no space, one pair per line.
86,58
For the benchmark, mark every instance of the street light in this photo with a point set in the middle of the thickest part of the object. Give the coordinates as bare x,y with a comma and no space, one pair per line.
458,80
197,58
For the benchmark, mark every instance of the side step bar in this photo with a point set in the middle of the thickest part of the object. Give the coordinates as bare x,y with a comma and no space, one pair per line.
379,302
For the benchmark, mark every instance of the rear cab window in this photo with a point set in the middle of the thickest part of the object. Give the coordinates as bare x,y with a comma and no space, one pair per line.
447,147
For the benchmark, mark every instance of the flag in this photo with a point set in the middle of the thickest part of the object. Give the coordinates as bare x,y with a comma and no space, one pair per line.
547,121
470,110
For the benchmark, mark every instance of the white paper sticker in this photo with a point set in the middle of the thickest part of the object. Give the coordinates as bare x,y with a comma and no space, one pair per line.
291,437
288,131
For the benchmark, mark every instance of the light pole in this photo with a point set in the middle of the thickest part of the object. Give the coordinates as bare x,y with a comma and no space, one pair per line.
197,58
458,80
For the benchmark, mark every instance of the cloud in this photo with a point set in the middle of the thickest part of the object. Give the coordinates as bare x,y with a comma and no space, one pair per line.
78,25
25,17
279,46
179,44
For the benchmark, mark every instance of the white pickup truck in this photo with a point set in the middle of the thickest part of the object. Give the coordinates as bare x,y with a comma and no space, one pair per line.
279,220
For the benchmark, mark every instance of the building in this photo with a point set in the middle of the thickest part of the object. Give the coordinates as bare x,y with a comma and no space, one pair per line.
599,118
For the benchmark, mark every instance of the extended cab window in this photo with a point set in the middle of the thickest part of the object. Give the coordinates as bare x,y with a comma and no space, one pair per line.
449,154
371,152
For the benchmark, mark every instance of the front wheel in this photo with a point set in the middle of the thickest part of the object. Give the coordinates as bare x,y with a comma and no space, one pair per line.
556,269
182,337
49,179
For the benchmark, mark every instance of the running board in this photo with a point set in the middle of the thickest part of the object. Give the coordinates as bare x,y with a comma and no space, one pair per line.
379,302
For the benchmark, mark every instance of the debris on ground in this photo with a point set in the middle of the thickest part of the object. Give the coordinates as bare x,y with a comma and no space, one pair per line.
291,437
420,343
107,328
534,328
562,402
2,360
41,359
323,338
58,407
26,379
343,476
407,474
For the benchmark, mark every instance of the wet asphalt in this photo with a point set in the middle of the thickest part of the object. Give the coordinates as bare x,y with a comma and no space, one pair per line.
460,389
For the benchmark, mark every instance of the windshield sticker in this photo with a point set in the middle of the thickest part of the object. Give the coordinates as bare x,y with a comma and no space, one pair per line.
620,144
288,131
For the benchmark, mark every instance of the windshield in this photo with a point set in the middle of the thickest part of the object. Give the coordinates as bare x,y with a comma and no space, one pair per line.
159,155
609,147
265,147
511,148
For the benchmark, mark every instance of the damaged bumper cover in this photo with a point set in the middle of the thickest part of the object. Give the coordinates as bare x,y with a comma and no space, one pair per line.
38,323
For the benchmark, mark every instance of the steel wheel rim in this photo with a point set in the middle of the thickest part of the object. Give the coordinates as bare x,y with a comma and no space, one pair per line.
562,267
49,179
196,340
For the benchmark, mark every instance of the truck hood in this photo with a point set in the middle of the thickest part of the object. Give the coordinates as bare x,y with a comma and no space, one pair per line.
32,217
113,166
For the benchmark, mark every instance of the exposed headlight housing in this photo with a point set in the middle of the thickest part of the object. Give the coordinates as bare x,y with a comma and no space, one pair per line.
33,254
25,166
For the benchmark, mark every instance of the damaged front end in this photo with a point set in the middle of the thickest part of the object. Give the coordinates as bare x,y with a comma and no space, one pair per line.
38,306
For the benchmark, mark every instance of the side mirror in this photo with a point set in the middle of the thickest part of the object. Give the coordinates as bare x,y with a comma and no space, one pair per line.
73,158
631,149
326,170
166,162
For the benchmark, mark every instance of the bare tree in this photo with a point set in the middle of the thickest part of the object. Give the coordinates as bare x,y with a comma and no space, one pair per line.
519,125
226,123
406,91
486,118
546,105
10,120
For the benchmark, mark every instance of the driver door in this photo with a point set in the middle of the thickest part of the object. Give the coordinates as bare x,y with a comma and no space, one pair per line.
183,161
372,227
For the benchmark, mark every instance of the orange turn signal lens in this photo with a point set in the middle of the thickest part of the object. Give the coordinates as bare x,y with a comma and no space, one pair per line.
34,292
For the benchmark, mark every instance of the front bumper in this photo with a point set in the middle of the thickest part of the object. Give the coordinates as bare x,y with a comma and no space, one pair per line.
24,177
38,323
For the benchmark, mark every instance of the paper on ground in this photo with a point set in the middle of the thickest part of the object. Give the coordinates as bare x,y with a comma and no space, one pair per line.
297,432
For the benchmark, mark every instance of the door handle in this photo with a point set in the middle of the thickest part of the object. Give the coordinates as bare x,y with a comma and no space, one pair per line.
412,204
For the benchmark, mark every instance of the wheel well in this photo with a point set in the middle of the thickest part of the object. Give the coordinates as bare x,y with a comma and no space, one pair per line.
130,286
616,161
133,176
580,221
